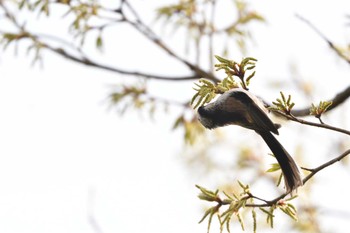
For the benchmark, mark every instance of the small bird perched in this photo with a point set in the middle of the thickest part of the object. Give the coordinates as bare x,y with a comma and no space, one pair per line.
239,107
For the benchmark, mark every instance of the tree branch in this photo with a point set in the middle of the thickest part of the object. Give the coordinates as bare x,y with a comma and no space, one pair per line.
338,99
305,180
84,60
304,122
140,26
331,45
88,62
327,164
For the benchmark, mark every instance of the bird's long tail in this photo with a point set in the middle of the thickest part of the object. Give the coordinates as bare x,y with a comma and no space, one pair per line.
292,178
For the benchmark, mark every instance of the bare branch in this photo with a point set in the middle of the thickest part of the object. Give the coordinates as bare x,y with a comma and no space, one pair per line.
331,45
336,101
323,166
320,125
83,59
305,180
340,97
140,26
89,62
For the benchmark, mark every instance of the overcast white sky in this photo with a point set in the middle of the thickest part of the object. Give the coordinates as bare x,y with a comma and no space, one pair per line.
64,155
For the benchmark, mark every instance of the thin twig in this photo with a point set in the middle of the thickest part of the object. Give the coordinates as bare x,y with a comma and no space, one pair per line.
342,96
338,99
327,164
84,60
305,180
304,122
89,62
140,26
331,45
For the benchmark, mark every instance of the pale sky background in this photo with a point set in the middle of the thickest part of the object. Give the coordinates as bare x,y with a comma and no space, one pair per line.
64,153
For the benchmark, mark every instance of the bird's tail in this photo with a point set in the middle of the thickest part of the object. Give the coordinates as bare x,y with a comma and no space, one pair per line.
292,178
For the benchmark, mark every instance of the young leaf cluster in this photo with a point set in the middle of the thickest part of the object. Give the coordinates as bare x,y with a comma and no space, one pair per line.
8,38
129,96
207,90
245,16
196,17
274,168
185,8
285,206
283,104
192,128
84,13
288,208
211,196
239,70
318,110
41,5
13,38
235,204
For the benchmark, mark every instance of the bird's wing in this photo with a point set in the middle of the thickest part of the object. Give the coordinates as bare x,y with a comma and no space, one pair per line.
257,114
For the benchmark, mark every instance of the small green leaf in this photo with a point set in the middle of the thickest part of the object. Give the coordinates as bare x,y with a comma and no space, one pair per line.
252,59
265,211
317,111
234,197
222,60
241,184
99,42
270,218
269,215
279,179
240,221
274,167
290,212
250,67
291,106
254,220
194,98
292,207
21,4
291,198
249,77
283,98
207,195
227,219
214,211
209,211
179,121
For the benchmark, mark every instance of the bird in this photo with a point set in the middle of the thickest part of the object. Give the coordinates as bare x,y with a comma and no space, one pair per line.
240,107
